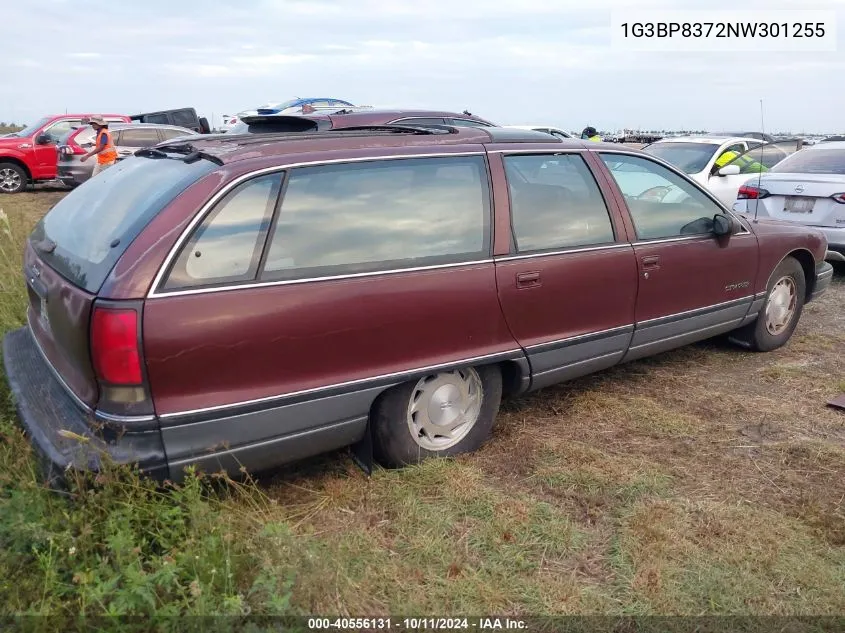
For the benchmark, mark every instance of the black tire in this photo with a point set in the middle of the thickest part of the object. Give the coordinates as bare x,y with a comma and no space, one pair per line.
393,443
22,178
756,335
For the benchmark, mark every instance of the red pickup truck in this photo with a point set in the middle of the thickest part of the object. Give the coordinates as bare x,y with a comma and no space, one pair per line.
29,156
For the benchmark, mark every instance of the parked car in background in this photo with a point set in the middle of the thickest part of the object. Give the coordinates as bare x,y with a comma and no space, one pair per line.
229,121
547,129
349,117
127,138
303,105
493,261
29,155
807,188
697,155
180,117
760,136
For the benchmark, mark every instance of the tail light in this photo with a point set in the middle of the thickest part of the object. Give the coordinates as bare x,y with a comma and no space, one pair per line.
118,361
114,346
747,192
839,197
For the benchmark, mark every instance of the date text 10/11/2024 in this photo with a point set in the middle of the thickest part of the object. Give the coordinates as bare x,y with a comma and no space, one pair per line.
416,624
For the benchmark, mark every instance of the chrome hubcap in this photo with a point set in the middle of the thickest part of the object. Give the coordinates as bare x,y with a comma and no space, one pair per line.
10,180
781,305
444,408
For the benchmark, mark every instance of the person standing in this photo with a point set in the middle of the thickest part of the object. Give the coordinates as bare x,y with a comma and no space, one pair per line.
103,147
590,134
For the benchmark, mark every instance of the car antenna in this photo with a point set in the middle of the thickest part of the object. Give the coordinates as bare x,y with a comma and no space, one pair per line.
760,171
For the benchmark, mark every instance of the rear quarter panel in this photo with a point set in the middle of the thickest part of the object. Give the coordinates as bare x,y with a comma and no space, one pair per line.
779,239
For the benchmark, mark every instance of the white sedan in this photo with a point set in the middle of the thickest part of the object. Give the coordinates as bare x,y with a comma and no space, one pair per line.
697,155
806,188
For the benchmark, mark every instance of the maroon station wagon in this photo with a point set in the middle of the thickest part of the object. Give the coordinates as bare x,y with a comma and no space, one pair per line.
256,300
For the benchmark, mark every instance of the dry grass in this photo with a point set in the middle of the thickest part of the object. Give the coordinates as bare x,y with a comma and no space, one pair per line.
705,480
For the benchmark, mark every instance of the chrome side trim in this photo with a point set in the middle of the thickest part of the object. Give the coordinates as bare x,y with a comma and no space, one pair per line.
566,251
574,339
550,150
506,355
289,282
204,210
691,313
55,372
123,419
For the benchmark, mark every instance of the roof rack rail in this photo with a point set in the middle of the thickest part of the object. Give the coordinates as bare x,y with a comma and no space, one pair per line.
393,127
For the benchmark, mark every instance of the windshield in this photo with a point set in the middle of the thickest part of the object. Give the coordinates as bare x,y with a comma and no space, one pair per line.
690,158
813,161
29,130
95,223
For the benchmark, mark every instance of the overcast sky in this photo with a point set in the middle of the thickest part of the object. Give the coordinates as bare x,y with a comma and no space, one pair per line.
511,61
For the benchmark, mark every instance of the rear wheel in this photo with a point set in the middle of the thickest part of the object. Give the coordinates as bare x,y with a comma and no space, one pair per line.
13,178
441,414
782,310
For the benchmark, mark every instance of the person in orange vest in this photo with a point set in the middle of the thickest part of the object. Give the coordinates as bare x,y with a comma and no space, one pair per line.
103,147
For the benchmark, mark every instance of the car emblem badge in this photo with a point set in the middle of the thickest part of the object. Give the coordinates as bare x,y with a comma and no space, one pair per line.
799,188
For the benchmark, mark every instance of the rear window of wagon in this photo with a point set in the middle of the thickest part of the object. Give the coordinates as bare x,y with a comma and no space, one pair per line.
94,224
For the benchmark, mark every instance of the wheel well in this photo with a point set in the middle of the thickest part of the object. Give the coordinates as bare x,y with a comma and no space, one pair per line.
18,162
809,265
512,376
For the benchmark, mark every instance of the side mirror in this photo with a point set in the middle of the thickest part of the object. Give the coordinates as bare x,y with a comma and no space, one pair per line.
729,170
724,224
43,139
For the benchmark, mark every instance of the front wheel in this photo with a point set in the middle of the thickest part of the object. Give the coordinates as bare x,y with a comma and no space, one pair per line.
779,317
13,178
440,414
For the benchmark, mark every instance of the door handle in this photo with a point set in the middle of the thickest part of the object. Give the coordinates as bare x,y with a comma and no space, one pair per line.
528,280
651,262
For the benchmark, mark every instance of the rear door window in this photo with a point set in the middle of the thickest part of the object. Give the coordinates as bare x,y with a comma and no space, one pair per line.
555,203
94,224
421,121
372,216
169,133
156,118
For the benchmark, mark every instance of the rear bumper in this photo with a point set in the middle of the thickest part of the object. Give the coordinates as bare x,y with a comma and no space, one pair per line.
75,173
824,275
65,436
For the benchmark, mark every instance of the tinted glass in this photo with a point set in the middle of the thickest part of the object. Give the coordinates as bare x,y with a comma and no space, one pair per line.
813,161
690,158
363,217
467,123
227,245
662,204
421,121
169,133
555,203
94,224
767,155
141,137
184,118
156,118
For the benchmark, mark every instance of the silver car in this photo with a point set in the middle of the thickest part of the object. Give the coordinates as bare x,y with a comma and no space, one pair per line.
128,138
808,188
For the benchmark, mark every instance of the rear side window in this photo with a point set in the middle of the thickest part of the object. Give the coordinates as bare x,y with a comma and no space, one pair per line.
184,118
155,118
392,214
169,133
94,224
227,246
555,203
141,137
421,121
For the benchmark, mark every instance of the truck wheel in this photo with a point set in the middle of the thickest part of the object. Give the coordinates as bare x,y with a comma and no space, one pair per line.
782,310
13,178
440,414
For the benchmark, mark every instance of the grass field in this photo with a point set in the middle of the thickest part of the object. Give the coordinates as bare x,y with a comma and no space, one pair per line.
708,480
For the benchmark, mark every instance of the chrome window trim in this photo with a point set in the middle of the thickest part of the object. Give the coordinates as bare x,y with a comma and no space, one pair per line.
209,204
547,150
350,383
564,251
288,282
